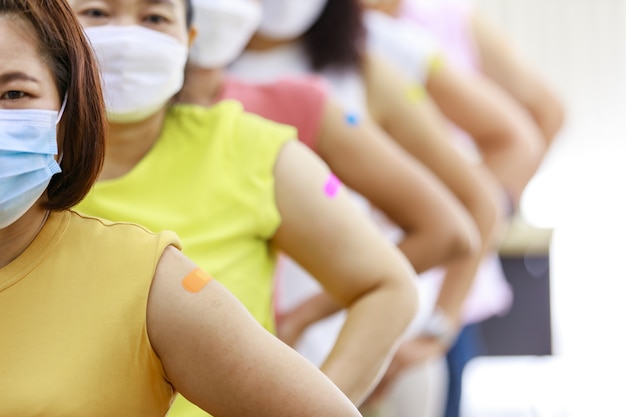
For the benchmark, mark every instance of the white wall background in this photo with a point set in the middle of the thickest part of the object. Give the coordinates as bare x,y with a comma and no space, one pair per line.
580,46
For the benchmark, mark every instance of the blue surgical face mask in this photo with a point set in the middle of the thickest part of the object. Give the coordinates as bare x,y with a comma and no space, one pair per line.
28,144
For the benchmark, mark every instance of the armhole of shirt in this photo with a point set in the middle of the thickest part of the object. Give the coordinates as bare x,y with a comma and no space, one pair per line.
261,142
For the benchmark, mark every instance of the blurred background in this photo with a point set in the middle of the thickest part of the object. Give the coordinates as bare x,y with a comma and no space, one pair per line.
577,200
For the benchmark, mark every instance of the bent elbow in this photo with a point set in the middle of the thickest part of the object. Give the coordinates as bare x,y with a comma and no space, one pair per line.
405,299
406,305
488,213
555,123
455,243
460,236
530,148
550,116
464,242
493,217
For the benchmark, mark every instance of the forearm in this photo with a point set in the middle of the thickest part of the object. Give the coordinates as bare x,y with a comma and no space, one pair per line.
370,335
314,309
456,286
548,113
427,249
486,209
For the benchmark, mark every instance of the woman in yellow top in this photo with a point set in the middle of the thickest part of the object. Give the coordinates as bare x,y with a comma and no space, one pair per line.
234,187
101,318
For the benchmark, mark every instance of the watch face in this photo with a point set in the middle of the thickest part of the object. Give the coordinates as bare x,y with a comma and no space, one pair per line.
440,327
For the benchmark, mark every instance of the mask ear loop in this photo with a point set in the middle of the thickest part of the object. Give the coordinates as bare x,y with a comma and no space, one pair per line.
59,117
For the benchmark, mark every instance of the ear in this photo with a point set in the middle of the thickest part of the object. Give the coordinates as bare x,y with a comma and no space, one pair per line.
193,33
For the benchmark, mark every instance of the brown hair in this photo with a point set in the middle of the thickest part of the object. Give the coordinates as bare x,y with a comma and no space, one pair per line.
82,129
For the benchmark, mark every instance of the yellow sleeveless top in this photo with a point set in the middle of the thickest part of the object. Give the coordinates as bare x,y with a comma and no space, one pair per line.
209,178
73,337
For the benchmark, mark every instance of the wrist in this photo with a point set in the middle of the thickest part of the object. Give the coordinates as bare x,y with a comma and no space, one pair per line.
441,327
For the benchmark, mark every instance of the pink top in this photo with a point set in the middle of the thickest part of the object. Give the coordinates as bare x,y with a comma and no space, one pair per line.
297,102
449,21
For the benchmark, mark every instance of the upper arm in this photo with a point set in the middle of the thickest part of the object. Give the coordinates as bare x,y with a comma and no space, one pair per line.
218,357
373,165
500,60
482,109
327,235
420,128
417,126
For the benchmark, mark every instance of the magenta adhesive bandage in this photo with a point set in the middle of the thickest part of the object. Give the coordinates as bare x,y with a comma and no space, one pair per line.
332,187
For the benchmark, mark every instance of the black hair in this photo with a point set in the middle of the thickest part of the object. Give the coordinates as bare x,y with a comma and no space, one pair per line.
337,39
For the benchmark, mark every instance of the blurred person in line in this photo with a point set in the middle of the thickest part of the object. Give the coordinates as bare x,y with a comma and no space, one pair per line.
98,318
508,142
327,38
473,43
235,188
500,132
482,53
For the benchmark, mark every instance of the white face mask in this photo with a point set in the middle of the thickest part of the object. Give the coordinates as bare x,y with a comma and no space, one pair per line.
289,19
224,29
141,69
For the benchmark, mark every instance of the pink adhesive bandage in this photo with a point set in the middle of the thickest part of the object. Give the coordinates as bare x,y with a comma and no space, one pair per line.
332,187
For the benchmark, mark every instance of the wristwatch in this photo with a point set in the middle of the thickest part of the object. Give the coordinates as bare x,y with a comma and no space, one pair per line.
440,327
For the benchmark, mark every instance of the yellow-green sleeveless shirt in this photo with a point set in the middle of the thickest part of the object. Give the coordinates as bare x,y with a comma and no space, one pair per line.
73,337
209,178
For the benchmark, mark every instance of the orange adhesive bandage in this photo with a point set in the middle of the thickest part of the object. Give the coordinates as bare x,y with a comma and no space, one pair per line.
196,281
